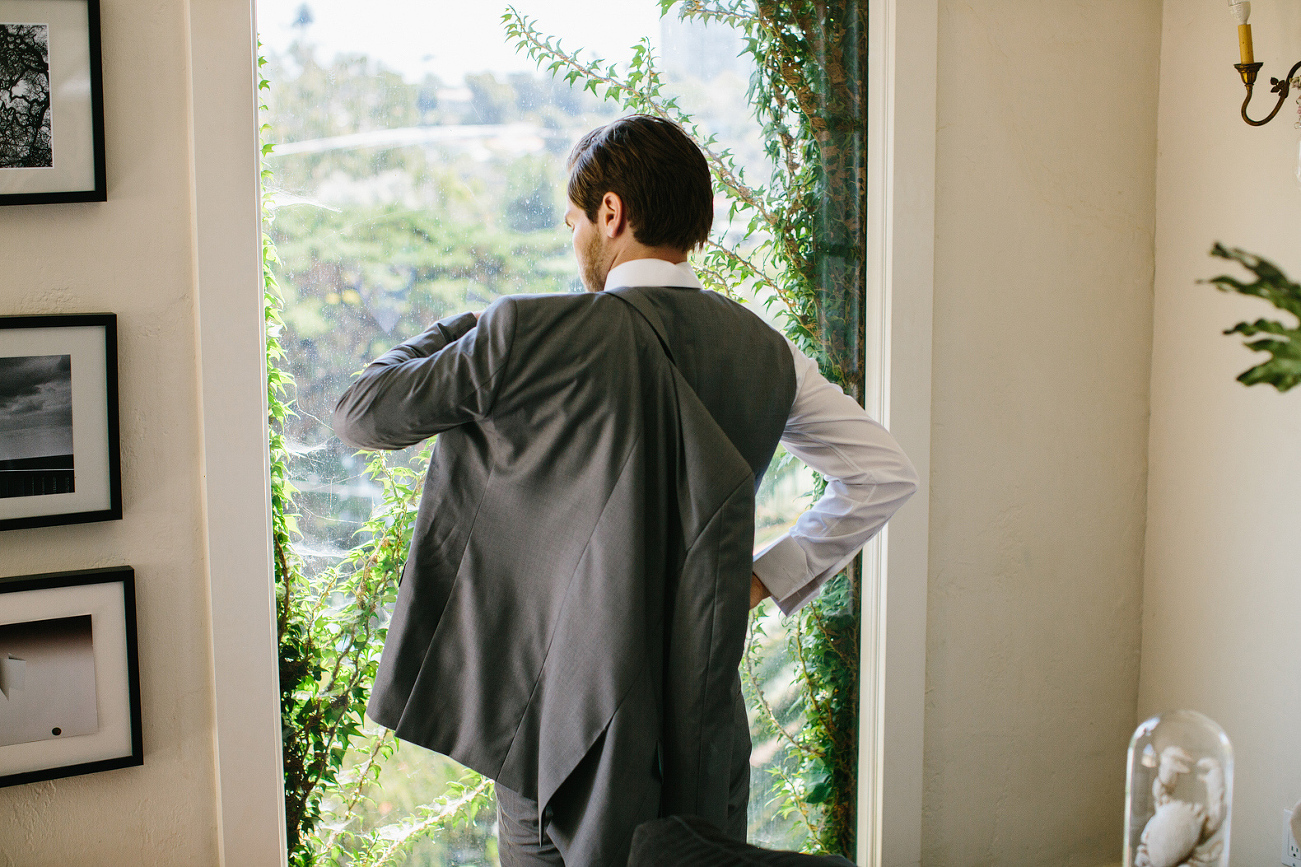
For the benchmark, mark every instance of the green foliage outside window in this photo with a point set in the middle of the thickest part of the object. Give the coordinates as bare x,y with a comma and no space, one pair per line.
795,241
330,622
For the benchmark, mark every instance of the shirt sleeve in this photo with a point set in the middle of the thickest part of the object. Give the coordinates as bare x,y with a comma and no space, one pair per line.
439,379
868,479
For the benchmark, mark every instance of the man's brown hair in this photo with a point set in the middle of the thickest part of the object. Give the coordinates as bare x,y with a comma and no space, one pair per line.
656,170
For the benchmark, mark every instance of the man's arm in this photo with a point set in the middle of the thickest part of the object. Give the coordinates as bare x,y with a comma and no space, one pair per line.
868,479
439,379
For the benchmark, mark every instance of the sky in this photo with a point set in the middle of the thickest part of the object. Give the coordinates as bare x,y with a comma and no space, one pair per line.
35,406
450,39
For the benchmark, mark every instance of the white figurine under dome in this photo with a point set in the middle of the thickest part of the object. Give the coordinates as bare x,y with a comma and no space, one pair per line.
1178,793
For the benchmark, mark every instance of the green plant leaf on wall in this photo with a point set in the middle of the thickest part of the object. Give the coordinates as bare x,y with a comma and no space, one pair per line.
1283,369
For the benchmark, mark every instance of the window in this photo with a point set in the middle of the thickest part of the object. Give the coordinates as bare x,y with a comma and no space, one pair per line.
419,172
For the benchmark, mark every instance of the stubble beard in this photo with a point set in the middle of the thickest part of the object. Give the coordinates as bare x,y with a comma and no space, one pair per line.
591,269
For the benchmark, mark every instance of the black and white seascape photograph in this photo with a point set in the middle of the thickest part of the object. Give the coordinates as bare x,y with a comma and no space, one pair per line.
36,448
59,457
47,680
26,107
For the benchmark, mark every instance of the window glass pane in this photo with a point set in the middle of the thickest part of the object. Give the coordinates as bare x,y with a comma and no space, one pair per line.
419,172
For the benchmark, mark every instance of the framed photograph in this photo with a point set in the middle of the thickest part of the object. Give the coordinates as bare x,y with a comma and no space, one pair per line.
59,460
51,103
69,675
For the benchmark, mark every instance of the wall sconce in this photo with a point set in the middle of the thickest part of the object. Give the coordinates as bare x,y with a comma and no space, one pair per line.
1248,68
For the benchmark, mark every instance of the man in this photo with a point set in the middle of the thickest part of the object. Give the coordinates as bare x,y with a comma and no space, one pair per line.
572,611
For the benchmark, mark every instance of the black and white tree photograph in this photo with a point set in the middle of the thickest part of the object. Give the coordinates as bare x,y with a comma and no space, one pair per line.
47,680
36,451
26,124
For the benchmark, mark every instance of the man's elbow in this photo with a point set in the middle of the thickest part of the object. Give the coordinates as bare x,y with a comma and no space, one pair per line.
898,485
352,425
909,477
908,481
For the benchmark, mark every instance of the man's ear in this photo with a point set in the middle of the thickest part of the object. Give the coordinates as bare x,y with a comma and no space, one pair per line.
611,218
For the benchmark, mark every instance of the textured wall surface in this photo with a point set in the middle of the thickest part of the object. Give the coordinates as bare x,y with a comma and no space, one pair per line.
1042,338
131,256
1223,587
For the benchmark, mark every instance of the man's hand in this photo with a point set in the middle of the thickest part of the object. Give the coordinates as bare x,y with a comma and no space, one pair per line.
758,592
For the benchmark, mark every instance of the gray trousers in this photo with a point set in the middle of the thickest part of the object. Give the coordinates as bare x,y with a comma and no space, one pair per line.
592,816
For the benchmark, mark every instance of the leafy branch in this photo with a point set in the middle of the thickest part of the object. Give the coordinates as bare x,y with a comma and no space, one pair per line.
765,706
789,786
463,800
640,90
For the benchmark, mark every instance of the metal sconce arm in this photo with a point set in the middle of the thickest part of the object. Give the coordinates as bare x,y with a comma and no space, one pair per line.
1280,86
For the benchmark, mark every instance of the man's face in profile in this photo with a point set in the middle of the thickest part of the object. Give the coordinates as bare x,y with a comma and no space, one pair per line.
589,249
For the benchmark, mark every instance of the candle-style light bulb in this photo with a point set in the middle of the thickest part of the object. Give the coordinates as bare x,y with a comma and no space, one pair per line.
1241,12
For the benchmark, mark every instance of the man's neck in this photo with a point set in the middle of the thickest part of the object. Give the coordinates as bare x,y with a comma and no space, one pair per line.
640,251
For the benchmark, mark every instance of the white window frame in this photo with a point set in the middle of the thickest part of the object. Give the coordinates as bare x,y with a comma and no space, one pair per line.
236,473
226,238
902,57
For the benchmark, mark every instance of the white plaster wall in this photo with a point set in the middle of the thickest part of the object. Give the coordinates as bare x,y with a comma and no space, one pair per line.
132,256
1045,195
1223,585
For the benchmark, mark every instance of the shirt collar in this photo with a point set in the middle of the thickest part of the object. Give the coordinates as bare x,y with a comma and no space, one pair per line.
652,272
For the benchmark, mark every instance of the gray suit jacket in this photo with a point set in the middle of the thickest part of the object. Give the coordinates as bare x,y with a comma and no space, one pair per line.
582,549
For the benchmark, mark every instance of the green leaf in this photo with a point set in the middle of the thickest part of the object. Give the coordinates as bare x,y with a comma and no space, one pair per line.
1283,369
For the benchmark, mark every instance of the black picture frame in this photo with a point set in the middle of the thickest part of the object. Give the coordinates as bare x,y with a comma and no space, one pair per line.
59,156
60,457
69,629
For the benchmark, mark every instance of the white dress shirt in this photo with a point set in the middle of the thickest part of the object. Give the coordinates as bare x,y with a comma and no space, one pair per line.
868,476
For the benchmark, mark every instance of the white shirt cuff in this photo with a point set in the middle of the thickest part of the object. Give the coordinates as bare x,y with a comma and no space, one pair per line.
783,568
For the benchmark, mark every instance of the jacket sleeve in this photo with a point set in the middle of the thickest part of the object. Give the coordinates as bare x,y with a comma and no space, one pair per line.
442,378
